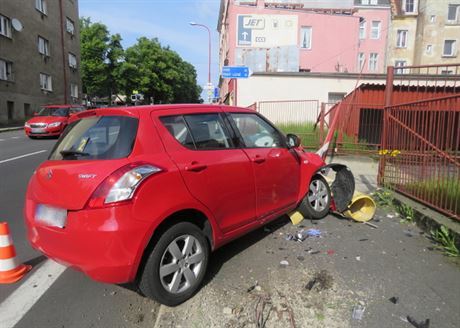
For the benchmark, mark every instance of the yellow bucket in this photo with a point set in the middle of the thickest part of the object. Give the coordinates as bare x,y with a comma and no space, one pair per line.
361,208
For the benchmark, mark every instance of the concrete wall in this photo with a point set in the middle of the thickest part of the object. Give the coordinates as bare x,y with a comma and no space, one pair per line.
300,86
22,50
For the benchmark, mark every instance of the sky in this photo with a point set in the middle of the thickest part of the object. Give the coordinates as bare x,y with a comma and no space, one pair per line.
167,20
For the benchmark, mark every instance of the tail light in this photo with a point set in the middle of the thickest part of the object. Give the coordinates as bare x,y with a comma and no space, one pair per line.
121,185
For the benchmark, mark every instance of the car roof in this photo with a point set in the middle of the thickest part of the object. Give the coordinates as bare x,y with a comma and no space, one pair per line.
176,107
60,106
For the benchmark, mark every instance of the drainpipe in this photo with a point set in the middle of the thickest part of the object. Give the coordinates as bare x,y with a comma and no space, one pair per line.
64,70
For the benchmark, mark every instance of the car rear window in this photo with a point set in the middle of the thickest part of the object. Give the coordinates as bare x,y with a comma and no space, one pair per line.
97,137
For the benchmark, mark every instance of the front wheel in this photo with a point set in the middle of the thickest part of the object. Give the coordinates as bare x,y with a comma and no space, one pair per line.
176,266
316,204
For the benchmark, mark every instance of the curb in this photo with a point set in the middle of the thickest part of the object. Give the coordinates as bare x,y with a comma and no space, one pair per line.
11,129
428,219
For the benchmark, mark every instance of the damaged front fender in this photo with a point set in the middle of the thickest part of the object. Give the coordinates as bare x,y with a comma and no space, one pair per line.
342,184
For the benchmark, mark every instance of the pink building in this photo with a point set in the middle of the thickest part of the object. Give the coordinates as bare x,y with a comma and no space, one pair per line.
307,36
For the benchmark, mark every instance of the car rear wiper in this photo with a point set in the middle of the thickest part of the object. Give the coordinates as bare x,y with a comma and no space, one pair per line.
75,153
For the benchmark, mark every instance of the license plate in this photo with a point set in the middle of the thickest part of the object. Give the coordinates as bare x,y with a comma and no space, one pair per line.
51,216
37,130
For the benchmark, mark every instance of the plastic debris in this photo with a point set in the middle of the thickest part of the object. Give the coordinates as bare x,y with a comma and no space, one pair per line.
394,300
364,239
313,232
358,312
330,252
421,324
408,233
358,258
284,263
390,216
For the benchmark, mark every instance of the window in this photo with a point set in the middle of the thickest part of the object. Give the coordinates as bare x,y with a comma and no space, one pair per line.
207,131
362,30
400,63
40,5
72,60
45,82
373,58
43,46
375,30
305,37
97,137
369,2
5,26
401,41
409,6
453,14
335,97
70,26
433,18
449,48
429,49
5,70
74,90
256,132
361,60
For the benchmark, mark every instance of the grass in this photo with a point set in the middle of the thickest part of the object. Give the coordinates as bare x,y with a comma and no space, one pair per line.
447,241
407,213
445,189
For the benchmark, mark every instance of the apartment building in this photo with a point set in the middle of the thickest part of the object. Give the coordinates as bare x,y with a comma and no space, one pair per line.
39,56
424,32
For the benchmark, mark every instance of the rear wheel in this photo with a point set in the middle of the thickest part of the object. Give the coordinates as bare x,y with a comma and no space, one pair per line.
176,266
316,204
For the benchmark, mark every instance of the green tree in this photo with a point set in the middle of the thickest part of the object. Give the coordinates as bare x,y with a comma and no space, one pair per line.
94,47
159,73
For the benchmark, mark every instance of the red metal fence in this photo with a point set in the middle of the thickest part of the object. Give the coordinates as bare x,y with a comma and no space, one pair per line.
420,153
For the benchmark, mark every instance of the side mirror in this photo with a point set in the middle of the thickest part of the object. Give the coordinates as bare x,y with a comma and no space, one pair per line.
293,141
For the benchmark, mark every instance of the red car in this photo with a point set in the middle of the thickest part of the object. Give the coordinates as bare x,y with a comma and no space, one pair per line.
143,194
51,120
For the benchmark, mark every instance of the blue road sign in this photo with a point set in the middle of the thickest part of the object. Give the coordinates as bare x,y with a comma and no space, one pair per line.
216,92
235,72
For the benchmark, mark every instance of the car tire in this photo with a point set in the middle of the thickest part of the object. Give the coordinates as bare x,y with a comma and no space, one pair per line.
173,272
317,201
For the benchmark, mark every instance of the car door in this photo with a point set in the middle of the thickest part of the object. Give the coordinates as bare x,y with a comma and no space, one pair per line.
216,173
276,168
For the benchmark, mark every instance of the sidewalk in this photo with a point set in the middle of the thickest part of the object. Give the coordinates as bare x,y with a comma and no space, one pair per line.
323,279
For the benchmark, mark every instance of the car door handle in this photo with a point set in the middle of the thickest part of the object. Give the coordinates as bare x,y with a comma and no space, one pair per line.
258,159
195,167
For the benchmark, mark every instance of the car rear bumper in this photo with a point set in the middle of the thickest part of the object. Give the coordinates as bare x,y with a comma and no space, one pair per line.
106,244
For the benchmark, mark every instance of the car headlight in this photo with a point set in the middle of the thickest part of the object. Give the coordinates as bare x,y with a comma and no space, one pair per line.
53,125
27,125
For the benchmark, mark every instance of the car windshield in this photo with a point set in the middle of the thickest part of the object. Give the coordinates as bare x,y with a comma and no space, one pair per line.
47,111
97,137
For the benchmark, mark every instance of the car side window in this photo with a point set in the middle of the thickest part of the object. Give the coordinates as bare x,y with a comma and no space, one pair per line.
256,132
208,131
178,129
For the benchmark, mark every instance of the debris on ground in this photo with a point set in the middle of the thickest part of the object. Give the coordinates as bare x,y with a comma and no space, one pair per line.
330,252
417,324
250,289
303,234
394,300
358,258
284,263
321,280
408,233
358,312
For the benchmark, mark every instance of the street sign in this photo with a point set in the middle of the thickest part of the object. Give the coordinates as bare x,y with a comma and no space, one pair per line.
216,92
236,72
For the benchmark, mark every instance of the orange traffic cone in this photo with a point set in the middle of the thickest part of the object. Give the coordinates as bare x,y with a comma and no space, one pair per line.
9,271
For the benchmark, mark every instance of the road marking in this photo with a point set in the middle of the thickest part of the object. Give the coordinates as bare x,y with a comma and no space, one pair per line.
15,137
22,156
2,139
15,306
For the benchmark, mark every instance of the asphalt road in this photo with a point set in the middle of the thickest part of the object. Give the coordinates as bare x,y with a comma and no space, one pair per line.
72,300
357,265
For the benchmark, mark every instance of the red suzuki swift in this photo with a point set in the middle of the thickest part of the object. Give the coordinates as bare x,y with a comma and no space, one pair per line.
51,120
145,193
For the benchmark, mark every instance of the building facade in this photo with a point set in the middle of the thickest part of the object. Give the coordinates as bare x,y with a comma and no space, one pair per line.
39,56
342,36
424,32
